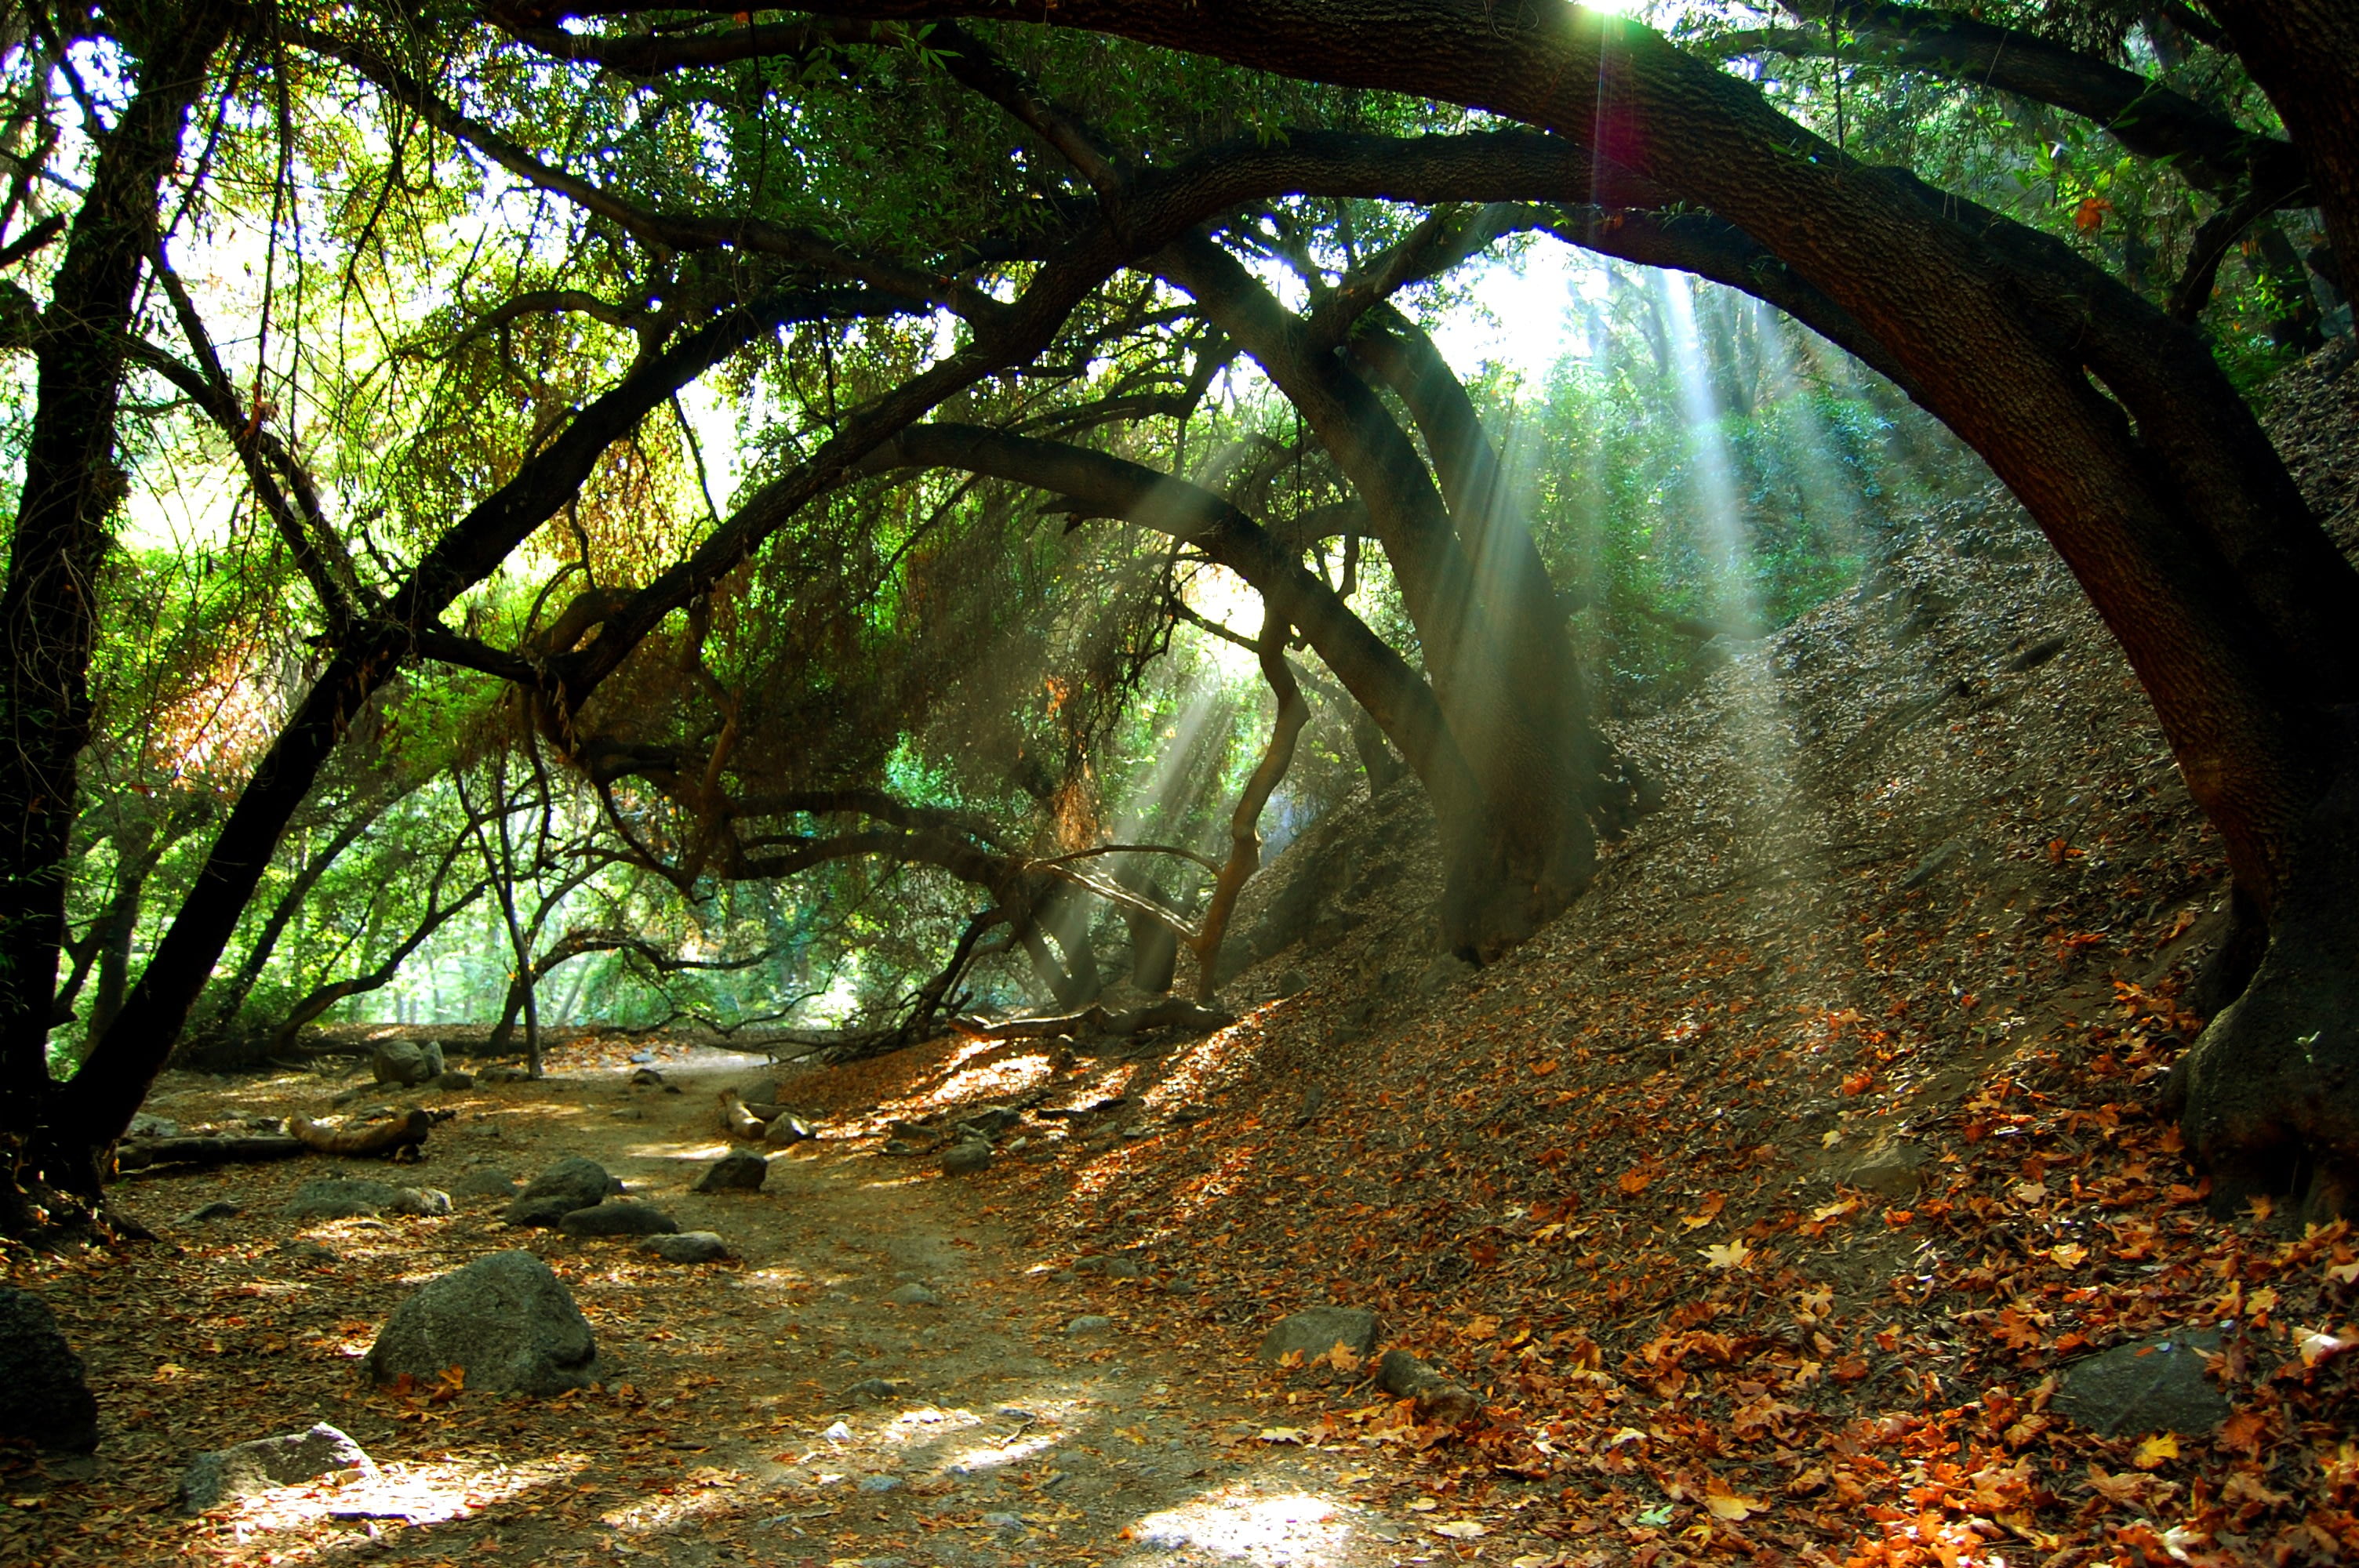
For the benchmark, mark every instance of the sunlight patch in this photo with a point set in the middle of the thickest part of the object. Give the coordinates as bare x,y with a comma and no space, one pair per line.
1292,1528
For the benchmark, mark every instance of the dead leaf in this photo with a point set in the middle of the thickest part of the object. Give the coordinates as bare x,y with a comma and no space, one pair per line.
1459,1528
1728,1255
2162,1445
1727,1504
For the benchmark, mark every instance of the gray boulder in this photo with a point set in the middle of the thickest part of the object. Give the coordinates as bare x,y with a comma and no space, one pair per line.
988,1122
966,1159
220,1208
249,1469
454,1079
403,1063
739,1171
1108,1265
912,1295
1315,1330
422,1202
618,1219
505,1318
44,1398
2155,1385
571,1183
340,1197
688,1246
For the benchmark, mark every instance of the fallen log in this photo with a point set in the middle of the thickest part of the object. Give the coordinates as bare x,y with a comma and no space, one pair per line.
364,1137
202,1149
742,1125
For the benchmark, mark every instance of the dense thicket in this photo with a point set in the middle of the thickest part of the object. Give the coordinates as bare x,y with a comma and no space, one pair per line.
836,515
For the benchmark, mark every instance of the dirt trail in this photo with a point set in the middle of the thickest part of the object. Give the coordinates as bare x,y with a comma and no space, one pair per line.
729,1427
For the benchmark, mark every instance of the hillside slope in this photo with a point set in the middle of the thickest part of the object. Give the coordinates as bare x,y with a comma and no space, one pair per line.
1774,1196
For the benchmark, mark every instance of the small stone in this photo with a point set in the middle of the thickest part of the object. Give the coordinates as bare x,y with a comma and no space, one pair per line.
786,1128
646,1078
1444,972
1893,1170
505,1318
878,1483
2155,1385
44,1397
573,1183
739,1171
146,1126
643,1055
339,1197
248,1469
486,1185
419,1202
303,1249
688,1246
1316,1330
878,1388
455,1078
624,1219
966,1159
838,1432
1293,982
1107,1266
220,1208
1090,1322
988,1122
913,1294
1004,1523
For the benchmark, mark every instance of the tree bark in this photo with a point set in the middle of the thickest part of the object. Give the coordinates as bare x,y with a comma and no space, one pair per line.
1244,821
71,485
2305,56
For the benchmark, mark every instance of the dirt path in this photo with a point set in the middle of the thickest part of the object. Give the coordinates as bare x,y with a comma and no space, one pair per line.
743,1415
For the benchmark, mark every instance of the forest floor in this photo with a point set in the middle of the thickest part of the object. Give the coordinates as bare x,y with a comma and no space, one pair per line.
1777,1200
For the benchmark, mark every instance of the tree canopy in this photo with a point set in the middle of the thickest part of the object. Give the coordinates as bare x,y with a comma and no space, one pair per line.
831,517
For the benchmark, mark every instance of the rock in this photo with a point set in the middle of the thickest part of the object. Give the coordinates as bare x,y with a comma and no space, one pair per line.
878,1483
643,1055
1893,1170
762,1091
486,1185
1438,1398
419,1202
146,1126
505,1318
966,1159
1446,970
1110,1267
838,1432
913,1294
400,1062
2155,1385
739,1171
1293,982
455,1078
646,1078
786,1128
44,1397
220,1208
1315,1330
1090,1322
688,1246
573,1181
879,1389
302,1249
1005,1524
504,1076
339,1197
627,1113
624,1219
988,1122
539,1214
247,1469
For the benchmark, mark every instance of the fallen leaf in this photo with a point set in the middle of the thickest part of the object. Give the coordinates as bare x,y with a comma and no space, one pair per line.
1422,1505
2071,1255
1728,1255
1707,1212
1280,1434
2162,1445
1727,1505
2317,1348
1636,1182
1459,1528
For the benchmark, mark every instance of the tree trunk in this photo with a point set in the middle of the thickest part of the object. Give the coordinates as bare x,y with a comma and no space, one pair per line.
71,486
1244,822
2305,56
